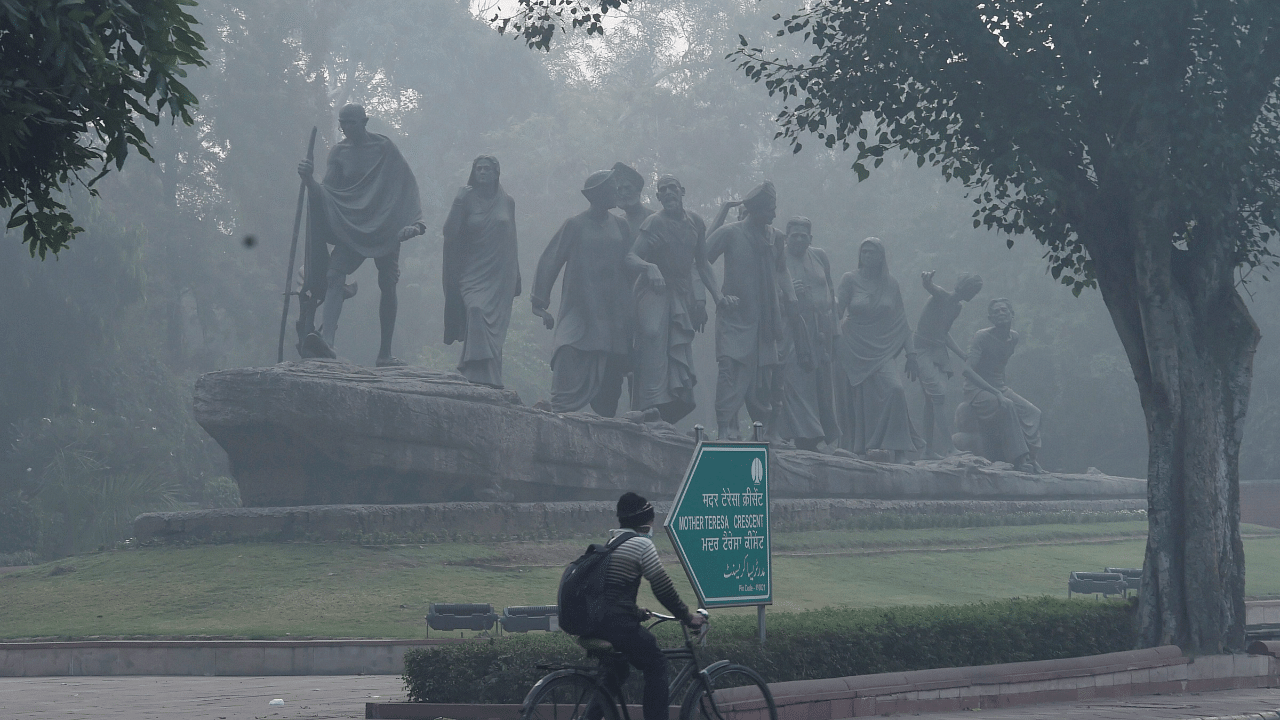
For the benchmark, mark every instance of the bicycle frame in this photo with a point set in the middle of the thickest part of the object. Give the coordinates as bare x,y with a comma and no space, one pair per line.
681,683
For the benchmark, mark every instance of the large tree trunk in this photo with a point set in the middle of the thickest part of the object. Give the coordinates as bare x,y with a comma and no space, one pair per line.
1190,340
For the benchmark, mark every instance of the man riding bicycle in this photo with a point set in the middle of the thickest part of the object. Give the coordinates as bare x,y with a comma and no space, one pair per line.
637,557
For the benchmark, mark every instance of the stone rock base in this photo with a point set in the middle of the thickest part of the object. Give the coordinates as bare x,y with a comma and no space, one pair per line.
322,432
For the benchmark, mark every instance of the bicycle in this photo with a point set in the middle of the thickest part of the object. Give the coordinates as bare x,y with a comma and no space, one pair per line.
720,691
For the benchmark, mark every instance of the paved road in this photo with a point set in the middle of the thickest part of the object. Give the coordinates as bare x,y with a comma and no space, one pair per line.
322,698
193,698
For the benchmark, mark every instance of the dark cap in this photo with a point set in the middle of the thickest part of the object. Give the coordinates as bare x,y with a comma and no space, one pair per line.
763,191
595,180
626,172
634,511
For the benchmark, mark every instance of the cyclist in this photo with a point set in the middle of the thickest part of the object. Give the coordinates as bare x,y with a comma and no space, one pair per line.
635,558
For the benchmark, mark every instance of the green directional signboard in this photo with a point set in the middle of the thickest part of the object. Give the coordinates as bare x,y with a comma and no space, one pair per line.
719,524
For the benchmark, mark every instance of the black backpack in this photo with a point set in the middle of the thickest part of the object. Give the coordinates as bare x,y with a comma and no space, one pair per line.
581,597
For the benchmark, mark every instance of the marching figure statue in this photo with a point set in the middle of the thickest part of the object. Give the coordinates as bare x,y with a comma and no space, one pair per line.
807,415
1009,425
667,250
481,272
935,345
873,406
593,336
749,313
365,207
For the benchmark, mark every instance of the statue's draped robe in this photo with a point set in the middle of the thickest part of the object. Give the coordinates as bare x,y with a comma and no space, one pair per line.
593,331
808,400
367,196
1016,428
749,337
481,278
662,361
873,406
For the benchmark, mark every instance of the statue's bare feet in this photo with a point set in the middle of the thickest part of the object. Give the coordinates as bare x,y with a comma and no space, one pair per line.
314,346
930,455
390,361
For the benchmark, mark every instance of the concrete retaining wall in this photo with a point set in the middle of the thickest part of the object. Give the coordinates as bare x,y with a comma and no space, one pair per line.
472,520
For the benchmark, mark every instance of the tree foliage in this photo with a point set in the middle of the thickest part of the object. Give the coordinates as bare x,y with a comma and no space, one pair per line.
76,79
1040,109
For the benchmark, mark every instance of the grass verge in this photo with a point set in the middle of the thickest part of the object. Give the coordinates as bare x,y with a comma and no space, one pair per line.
339,590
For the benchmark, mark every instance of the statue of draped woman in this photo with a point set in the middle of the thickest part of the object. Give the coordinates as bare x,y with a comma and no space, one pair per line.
873,403
481,272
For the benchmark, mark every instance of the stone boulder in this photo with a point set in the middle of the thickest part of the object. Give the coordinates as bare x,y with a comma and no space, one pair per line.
324,432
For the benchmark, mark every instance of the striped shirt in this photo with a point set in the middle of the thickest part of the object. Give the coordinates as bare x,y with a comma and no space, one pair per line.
633,559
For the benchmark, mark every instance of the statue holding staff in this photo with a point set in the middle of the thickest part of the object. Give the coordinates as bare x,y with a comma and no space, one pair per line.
481,272
365,207
668,249
593,335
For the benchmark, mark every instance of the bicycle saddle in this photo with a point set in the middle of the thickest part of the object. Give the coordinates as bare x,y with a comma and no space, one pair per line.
595,645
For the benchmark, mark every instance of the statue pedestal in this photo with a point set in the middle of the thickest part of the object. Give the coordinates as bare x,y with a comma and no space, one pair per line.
323,432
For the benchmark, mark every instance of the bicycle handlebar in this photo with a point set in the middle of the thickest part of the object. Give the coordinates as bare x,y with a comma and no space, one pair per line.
702,629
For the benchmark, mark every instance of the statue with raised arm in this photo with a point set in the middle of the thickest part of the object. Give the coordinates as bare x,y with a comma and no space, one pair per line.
481,272
593,335
935,345
365,207
756,296
1008,423
807,412
873,407
667,250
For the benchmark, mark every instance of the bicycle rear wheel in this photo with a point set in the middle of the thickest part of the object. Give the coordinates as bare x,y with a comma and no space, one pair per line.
569,697
737,693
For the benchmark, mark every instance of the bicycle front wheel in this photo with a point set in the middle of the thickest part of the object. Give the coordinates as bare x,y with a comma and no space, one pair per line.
736,693
569,697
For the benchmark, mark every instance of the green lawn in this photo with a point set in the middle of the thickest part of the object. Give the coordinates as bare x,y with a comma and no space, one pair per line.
337,590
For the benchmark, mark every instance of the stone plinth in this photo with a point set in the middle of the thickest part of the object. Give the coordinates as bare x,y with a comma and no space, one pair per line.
328,433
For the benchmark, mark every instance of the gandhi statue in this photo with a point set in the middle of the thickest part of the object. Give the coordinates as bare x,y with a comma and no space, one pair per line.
365,207
593,336
1010,424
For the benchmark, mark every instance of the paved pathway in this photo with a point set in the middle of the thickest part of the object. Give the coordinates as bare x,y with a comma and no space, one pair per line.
322,698
1153,707
193,698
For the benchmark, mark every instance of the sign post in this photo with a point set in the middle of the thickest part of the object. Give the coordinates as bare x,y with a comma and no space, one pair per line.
719,525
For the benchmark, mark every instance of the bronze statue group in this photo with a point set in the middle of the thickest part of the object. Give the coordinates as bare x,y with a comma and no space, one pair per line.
814,361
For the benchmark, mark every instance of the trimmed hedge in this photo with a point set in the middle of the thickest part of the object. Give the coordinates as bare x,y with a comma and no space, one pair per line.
809,645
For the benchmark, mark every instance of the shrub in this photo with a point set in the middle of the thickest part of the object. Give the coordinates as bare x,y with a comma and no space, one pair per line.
809,645
19,524
220,492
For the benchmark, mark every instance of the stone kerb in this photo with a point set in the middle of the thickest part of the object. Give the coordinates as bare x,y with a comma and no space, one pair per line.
1162,670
